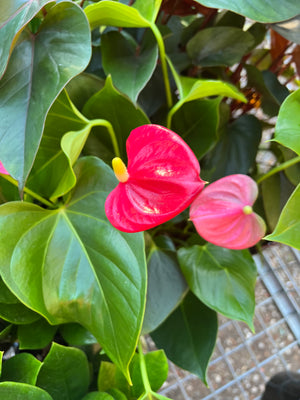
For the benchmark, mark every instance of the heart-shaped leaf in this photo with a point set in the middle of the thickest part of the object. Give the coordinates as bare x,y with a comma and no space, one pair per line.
69,273
123,115
14,15
116,14
287,230
130,64
40,66
189,335
222,279
259,10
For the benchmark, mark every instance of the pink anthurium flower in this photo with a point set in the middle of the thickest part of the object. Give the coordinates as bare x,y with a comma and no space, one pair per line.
160,181
3,170
223,215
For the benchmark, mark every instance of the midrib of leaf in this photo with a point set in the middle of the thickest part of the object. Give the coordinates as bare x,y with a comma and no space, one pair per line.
116,345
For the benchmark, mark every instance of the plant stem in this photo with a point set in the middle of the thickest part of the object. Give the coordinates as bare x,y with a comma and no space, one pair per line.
110,129
163,61
28,191
279,168
144,373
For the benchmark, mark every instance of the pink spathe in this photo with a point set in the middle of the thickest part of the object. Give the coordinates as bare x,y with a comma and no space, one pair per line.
222,213
163,180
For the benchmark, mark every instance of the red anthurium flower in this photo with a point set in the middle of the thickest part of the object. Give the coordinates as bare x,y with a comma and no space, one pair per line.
2,169
161,180
223,215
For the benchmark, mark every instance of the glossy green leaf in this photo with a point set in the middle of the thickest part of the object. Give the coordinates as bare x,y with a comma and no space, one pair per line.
1,356
14,390
148,8
17,313
78,275
123,115
166,288
222,279
271,194
189,335
76,335
82,87
258,10
197,123
287,230
40,66
23,368
293,172
14,15
287,130
236,151
98,396
66,131
64,373
116,14
222,45
130,64
36,335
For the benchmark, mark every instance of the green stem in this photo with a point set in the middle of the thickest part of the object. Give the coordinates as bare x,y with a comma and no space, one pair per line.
144,373
110,129
280,167
172,112
163,61
28,191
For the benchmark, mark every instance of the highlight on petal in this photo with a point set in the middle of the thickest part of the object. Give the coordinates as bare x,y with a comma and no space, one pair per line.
2,169
223,215
162,179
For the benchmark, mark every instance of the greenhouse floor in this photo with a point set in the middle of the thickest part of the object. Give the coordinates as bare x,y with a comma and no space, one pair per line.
244,361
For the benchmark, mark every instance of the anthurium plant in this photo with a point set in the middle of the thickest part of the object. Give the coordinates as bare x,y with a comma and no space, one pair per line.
133,184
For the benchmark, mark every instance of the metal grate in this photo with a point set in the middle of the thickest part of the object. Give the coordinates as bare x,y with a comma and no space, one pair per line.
243,361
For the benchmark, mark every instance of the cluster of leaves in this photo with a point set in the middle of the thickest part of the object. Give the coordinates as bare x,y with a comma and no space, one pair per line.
76,78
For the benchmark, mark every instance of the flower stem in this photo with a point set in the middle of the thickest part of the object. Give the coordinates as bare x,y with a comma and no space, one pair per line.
279,168
28,191
163,61
110,129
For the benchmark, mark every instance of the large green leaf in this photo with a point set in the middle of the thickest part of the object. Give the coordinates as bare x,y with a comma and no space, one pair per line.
197,123
259,10
17,313
64,373
71,265
15,390
236,151
23,368
287,230
166,288
116,14
289,29
123,115
130,64
189,335
14,15
223,279
221,45
287,130
40,66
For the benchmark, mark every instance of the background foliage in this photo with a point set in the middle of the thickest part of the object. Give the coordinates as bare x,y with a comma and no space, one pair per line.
76,78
